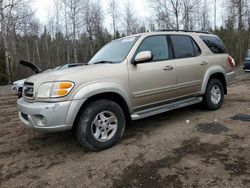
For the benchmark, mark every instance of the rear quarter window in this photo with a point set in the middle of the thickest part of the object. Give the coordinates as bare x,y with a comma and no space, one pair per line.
214,44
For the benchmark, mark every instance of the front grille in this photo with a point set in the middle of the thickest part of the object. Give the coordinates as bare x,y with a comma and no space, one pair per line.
28,89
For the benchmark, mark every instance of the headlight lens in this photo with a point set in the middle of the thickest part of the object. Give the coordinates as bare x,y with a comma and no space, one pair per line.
44,90
61,89
54,89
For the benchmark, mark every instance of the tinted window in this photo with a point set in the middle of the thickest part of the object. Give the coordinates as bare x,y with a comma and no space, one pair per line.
197,50
214,44
183,46
158,45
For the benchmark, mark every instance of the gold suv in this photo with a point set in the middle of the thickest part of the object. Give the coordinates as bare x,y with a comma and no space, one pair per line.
128,79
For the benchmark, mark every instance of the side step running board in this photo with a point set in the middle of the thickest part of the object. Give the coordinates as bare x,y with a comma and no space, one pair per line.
164,108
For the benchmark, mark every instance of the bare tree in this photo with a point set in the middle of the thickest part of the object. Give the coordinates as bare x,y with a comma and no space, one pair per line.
93,18
167,13
129,18
10,16
241,9
174,14
162,14
114,13
66,31
188,13
204,23
74,10
176,11
215,14
58,27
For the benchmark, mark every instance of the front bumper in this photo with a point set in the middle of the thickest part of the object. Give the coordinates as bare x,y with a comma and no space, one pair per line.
48,117
230,77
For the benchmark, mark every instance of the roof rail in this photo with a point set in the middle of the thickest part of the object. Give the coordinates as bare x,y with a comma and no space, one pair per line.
178,30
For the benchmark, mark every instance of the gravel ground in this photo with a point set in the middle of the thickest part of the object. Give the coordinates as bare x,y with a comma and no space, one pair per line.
189,147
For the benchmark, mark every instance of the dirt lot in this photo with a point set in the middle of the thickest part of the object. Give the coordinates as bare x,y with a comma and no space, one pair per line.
189,147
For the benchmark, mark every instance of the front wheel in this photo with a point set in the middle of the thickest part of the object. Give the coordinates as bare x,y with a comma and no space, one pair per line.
214,96
100,125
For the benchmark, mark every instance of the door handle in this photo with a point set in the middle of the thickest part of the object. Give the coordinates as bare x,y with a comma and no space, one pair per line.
203,63
168,68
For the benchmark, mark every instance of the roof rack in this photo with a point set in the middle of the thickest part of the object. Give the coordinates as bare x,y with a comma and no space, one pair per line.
178,30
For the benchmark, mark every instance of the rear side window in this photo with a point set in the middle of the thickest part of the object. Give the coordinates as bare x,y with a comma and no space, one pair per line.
197,50
158,45
184,46
214,44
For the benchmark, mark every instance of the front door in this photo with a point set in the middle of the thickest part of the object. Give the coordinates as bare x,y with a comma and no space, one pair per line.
153,81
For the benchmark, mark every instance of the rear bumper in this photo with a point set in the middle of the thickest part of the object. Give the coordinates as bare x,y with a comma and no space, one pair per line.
246,67
230,77
48,117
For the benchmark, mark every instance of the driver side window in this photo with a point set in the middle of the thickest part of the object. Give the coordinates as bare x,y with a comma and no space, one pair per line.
158,45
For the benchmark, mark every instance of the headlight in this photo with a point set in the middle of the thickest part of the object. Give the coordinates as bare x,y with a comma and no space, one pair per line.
54,89
61,89
44,90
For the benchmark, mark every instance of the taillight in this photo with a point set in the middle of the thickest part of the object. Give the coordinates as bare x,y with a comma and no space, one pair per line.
231,61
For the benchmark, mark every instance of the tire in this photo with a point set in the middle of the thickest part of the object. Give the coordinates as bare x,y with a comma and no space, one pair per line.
95,120
209,99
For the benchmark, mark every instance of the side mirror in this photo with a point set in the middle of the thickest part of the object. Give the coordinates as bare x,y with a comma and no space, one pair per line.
143,57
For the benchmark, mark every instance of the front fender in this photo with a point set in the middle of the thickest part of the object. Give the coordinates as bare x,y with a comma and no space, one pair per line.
209,72
92,89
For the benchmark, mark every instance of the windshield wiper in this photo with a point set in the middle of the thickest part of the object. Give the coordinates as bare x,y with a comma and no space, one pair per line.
103,62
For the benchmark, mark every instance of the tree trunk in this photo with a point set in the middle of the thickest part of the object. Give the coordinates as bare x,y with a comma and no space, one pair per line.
4,30
28,50
7,60
114,26
37,51
14,56
215,13
58,54
68,53
48,53
67,35
240,7
74,36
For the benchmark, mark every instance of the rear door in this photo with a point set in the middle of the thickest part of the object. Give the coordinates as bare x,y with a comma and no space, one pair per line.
189,65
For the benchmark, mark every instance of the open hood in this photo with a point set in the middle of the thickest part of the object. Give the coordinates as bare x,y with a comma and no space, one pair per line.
32,66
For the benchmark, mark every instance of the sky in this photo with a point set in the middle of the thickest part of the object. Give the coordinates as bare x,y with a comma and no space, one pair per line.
42,8
141,7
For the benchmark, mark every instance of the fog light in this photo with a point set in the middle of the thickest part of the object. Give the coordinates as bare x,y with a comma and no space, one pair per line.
39,120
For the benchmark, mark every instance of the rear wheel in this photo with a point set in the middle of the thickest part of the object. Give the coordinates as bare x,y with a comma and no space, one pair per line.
214,96
100,125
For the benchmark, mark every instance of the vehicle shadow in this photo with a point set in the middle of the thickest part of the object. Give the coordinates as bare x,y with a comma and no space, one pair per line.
149,124
67,143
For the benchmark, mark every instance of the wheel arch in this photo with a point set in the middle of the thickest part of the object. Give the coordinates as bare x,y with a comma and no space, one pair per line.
222,78
113,96
215,72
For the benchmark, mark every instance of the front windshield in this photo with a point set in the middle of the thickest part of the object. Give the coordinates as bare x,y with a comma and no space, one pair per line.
115,51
